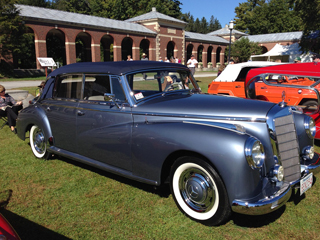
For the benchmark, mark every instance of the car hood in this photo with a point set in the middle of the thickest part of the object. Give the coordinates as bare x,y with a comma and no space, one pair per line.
204,105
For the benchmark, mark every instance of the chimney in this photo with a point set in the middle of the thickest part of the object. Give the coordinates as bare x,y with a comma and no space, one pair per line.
154,9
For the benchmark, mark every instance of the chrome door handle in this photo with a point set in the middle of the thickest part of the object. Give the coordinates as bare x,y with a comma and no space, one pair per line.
80,113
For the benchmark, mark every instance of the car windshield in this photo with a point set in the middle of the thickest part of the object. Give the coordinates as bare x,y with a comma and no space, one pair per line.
146,84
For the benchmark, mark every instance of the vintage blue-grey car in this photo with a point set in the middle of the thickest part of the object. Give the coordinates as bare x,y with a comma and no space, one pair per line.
149,121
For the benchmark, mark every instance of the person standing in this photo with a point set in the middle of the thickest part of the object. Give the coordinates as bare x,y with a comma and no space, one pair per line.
297,60
192,64
144,58
316,58
129,58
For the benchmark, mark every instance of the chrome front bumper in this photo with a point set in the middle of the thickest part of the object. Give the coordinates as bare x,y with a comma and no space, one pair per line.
265,205
272,203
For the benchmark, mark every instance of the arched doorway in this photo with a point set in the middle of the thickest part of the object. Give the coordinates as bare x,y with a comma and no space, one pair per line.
189,51
56,46
218,55
83,47
199,55
26,59
263,49
144,48
106,48
170,50
209,59
126,48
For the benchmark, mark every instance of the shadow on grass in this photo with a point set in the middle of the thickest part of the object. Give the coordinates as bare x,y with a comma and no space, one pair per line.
257,221
27,229
162,191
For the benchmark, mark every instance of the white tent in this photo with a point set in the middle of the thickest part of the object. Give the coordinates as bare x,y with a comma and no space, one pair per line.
287,53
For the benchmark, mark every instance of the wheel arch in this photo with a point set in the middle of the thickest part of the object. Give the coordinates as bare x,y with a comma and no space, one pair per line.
30,117
304,100
170,160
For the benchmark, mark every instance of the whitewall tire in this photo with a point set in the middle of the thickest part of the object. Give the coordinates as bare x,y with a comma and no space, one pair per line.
199,191
38,142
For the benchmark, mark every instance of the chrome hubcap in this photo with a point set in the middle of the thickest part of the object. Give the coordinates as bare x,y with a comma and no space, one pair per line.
197,190
38,141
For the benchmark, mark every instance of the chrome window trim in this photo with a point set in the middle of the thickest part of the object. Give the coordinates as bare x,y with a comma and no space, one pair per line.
133,101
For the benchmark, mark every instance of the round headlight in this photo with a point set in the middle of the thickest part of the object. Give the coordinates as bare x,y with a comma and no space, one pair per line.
278,172
254,153
310,126
308,152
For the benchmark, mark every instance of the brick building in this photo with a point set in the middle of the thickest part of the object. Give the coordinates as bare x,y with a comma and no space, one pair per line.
72,37
82,37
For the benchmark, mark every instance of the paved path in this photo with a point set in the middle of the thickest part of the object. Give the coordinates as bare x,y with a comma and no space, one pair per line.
17,84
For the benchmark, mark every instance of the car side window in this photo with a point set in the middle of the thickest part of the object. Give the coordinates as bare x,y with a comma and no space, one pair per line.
117,89
95,86
68,86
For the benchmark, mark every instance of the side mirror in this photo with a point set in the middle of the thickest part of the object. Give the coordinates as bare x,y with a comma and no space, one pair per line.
109,97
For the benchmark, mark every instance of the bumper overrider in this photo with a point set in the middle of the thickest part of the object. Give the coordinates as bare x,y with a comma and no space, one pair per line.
278,199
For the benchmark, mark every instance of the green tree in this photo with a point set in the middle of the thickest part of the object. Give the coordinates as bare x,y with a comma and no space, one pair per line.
38,3
262,17
196,26
11,28
309,12
242,49
203,25
119,9
214,24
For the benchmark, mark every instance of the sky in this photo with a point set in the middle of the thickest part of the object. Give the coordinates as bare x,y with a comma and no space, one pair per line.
223,10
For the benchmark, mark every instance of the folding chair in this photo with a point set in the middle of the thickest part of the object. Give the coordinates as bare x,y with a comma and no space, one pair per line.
4,120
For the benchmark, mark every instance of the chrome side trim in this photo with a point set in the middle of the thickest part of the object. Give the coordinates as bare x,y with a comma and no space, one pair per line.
217,118
263,206
231,127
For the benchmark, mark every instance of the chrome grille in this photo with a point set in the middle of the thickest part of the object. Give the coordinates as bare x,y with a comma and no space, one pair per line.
288,147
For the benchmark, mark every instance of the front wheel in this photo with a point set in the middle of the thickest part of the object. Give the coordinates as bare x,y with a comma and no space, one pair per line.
38,143
199,191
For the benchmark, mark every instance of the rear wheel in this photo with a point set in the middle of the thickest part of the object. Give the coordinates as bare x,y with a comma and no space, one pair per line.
199,191
310,105
38,143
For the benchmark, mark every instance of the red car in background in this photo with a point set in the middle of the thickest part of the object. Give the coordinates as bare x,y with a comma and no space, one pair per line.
296,84
6,230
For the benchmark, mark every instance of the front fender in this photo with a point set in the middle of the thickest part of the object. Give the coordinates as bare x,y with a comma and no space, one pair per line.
33,115
154,142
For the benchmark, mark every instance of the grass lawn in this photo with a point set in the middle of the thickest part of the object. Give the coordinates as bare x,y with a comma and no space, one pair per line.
63,199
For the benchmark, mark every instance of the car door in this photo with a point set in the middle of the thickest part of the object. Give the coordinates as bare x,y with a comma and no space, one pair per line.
104,127
61,110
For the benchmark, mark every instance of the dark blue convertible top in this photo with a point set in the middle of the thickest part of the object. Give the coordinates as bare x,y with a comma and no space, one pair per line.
116,68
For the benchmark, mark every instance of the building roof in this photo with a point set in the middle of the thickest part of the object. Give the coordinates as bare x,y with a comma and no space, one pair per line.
226,31
57,16
154,15
275,37
204,37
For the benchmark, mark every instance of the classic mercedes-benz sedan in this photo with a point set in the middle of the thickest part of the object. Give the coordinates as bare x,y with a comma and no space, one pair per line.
149,121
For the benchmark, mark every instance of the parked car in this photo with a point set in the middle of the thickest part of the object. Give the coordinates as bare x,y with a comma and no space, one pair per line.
269,83
6,230
231,80
218,153
295,84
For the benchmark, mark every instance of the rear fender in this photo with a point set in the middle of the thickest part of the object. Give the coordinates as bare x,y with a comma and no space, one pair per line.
33,115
